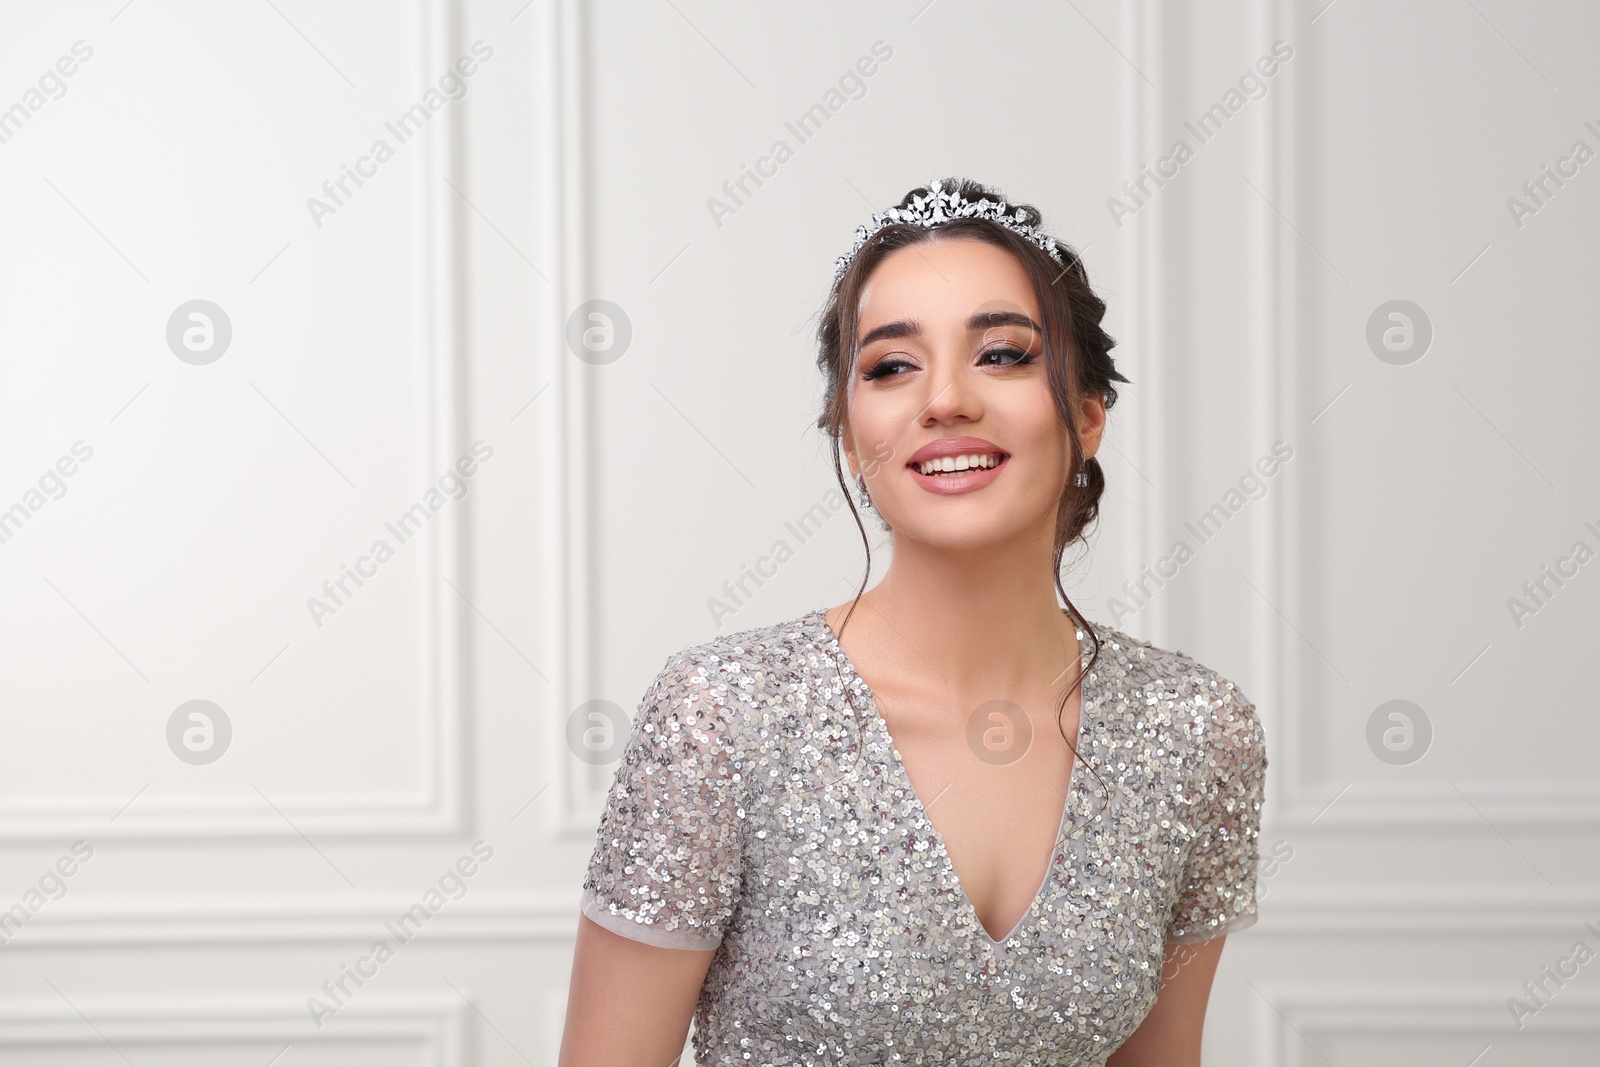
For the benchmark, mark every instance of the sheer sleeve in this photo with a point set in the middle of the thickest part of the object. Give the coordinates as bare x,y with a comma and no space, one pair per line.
1218,893
667,862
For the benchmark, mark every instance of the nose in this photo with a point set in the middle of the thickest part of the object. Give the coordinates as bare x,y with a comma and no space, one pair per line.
951,393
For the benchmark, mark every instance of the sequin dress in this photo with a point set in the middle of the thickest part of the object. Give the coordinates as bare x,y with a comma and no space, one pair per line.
757,812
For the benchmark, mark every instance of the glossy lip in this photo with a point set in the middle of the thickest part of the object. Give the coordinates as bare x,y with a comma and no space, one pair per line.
951,484
955,446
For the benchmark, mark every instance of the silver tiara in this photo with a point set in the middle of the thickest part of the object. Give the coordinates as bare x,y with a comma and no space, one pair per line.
941,205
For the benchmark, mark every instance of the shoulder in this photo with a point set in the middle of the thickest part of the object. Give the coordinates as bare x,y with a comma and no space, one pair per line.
733,678
775,641
751,658
1174,693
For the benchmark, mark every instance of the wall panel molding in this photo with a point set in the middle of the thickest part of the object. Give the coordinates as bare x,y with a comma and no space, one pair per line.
1279,409
1145,252
1289,1019
436,1024
240,920
437,807
1479,912
568,519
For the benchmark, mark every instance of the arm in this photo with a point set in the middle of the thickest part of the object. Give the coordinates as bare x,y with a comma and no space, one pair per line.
1218,892
1170,1034
629,1003
664,879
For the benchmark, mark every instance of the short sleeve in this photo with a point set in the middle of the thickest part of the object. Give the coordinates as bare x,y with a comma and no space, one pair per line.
667,866
1218,894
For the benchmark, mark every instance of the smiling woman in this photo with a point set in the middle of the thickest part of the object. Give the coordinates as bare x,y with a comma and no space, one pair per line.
769,860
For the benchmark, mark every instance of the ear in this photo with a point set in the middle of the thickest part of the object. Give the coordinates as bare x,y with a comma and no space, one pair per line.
1091,423
847,445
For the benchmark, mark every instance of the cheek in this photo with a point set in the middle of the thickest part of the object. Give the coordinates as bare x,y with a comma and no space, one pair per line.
1036,428
877,425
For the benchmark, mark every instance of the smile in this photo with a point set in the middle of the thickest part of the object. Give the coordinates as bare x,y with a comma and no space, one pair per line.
955,475
956,464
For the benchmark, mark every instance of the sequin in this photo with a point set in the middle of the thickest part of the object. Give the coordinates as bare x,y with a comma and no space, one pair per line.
758,811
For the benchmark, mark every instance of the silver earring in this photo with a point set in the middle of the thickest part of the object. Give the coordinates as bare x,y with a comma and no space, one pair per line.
1081,480
861,492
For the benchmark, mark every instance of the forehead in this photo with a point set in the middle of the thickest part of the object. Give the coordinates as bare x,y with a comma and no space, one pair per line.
944,280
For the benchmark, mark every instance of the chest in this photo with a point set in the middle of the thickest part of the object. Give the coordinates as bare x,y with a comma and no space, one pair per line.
856,939
854,909
994,786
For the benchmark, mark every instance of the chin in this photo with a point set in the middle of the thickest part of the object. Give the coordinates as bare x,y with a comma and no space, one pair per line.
969,530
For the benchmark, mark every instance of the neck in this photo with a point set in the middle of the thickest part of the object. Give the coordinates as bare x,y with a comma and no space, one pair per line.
987,620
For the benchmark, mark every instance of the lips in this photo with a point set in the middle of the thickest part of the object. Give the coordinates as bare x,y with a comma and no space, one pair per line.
955,446
984,459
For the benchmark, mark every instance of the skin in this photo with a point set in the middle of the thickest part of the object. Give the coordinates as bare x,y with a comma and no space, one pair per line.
629,1004
965,614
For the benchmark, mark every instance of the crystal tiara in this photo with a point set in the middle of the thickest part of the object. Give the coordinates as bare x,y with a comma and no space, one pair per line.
940,205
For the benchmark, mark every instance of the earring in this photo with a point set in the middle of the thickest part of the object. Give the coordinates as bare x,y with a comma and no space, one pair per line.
861,492
1081,480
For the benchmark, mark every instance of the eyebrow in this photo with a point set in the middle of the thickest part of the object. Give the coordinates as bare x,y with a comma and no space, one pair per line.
983,320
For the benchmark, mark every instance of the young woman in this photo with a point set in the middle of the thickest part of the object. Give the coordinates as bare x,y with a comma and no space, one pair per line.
948,821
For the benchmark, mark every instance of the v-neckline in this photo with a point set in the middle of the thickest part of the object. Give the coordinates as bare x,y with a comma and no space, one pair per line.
874,718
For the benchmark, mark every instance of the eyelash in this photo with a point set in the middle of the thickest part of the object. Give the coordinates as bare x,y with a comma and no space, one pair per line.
878,369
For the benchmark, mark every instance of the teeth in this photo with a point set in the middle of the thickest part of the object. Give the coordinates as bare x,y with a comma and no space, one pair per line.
958,463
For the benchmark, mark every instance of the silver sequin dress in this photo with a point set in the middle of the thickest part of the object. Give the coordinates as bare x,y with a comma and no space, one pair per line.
757,812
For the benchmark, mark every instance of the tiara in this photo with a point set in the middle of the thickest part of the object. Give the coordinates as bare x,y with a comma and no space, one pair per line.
940,205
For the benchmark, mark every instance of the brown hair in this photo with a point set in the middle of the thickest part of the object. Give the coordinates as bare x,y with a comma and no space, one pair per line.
1077,355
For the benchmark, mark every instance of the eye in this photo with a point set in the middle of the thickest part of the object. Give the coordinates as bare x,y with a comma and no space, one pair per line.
1015,356
886,367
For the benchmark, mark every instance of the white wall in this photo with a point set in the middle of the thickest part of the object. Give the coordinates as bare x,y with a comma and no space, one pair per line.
372,345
